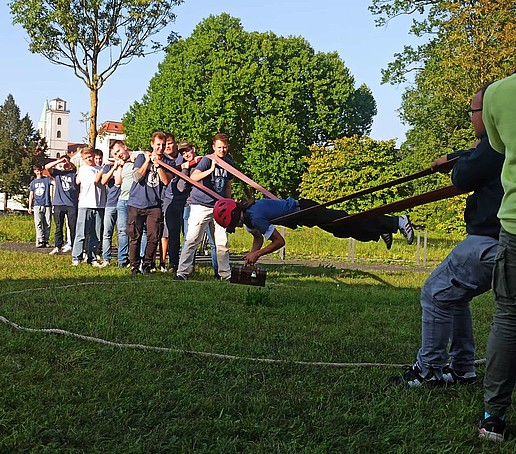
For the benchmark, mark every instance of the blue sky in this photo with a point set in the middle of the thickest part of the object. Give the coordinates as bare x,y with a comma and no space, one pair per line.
345,26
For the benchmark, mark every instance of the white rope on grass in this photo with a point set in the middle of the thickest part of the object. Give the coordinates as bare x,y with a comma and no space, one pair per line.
63,332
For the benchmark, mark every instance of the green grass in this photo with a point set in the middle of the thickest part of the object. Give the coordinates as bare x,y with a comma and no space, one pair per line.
63,394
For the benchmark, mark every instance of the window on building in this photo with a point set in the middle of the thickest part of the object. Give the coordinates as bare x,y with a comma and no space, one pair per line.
58,134
59,121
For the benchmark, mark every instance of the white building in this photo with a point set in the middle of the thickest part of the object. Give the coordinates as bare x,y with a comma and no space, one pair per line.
109,132
53,126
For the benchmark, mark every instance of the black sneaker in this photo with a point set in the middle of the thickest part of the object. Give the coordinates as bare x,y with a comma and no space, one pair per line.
452,376
180,277
492,429
387,238
412,378
135,271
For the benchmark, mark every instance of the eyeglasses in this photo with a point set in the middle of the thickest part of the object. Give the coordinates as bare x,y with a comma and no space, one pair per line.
472,111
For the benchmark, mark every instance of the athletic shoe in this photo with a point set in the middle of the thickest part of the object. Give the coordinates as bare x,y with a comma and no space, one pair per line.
42,245
452,376
406,228
492,429
135,271
66,248
180,277
412,378
96,264
56,250
104,264
387,238
75,262
163,269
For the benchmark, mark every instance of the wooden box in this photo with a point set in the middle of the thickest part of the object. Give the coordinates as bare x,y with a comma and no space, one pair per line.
248,275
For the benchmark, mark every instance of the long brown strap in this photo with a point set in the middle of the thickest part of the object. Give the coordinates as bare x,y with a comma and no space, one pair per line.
410,202
414,176
187,178
221,163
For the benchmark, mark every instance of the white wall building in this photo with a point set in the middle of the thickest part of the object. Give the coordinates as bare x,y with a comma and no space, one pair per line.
109,131
53,126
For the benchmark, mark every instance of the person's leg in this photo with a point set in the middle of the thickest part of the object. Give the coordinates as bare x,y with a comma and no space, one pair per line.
500,372
121,228
164,249
210,232
445,298
47,222
78,243
153,222
174,220
38,224
71,219
221,245
93,227
135,223
199,217
110,215
59,220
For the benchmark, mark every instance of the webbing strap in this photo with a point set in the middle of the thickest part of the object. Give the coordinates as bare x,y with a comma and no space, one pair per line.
187,178
422,199
221,163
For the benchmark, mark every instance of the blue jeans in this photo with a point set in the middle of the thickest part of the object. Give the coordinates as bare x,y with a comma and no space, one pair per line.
121,228
500,376
213,249
110,216
445,298
89,222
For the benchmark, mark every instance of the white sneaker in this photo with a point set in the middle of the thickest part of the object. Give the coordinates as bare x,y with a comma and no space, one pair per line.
66,248
96,264
406,229
56,250
75,262
104,264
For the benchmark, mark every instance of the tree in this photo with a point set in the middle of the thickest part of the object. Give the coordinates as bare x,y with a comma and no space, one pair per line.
350,165
93,38
20,149
469,43
273,96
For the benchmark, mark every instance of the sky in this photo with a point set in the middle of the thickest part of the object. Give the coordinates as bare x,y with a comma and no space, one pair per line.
345,26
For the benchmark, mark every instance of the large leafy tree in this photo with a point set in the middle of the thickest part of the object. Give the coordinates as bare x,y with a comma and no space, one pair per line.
467,43
274,97
91,37
20,149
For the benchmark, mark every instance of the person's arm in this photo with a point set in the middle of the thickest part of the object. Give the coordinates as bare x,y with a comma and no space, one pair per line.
118,174
98,177
105,177
50,166
198,175
140,172
31,201
164,175
277,242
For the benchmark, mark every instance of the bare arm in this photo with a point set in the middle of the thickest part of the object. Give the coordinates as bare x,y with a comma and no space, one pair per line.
31,201
198,175
277,242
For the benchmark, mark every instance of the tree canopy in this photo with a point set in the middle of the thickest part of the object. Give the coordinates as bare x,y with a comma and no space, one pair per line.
273,96
91,37
20,149
468,43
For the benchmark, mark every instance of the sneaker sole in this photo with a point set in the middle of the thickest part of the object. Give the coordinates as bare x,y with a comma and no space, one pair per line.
490,436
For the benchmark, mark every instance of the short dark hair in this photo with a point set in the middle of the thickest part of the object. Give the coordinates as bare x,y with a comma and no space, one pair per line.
222,137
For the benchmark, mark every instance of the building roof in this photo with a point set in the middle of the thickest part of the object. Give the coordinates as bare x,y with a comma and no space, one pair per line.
115,127
43,117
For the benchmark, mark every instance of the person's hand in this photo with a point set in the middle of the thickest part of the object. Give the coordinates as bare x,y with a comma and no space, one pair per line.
30,210
213,164
440,165
148,156
251,258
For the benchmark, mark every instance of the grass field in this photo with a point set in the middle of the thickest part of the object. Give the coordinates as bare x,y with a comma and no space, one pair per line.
60,393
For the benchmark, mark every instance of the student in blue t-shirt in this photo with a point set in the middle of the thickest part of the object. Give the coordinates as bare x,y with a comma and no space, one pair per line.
217,179
144,203
40,204
257,217
65,201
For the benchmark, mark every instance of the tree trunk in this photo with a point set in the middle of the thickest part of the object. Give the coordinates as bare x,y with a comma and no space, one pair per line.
94,98
6,198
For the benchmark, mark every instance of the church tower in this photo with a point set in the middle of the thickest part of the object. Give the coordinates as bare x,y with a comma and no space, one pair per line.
53,126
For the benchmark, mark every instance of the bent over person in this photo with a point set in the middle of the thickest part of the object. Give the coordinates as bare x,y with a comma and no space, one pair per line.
465,273
257,217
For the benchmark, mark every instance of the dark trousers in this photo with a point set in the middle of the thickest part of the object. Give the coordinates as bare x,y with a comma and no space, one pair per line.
174,221
366,230
60,211
137,218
